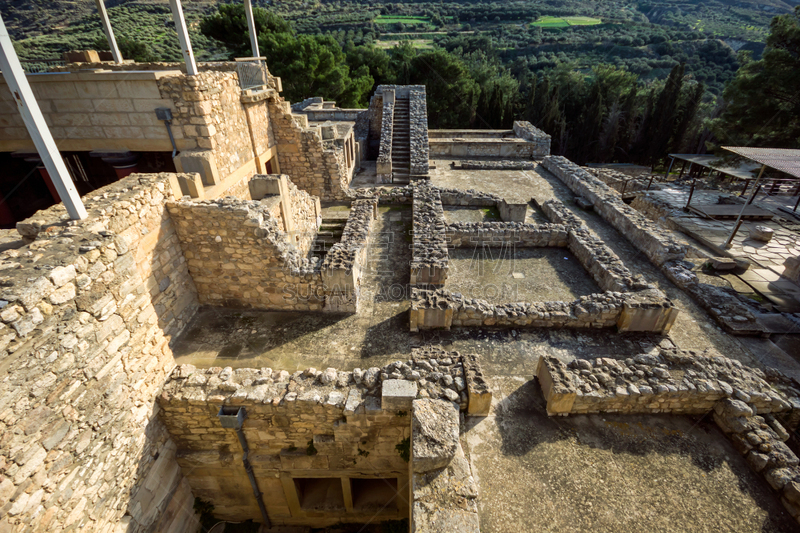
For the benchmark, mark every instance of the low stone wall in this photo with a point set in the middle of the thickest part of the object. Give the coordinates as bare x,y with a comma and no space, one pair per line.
344,263
430,260
657,243
506,164
468,198
660,246
341,426
89,308
383,165
761,440
529,132
669,381
468,234
622,183
646,310
418,130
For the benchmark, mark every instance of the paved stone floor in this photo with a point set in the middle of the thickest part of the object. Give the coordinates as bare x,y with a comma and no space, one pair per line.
764,279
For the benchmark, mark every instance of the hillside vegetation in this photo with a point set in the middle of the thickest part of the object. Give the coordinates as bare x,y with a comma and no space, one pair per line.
609,80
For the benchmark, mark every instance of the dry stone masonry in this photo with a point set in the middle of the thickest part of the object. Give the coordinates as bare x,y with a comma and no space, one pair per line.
753,408
329,424
429,263
659,244
630,303
88,311
529,132
418,130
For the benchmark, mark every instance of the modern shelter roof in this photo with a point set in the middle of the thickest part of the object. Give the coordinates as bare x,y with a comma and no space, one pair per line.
783,159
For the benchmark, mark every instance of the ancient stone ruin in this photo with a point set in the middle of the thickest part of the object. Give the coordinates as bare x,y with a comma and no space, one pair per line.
275,328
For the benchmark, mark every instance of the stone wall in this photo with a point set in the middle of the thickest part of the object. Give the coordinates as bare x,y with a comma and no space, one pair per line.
501,144
383,165
660,246
336,425
669,381
344,263
657,243
760,438
88,311
208,109
539,139
672,381
240,256
418,130
505,164
498,234
622,183
645,310
314,167
95,110
429,257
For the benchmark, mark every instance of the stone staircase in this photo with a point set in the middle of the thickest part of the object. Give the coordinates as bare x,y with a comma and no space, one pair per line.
330,231
401,142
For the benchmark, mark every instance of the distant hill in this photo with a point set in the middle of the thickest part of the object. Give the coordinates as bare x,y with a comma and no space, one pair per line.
29,18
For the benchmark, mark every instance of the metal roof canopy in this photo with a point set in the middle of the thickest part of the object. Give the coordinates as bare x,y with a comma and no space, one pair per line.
742,171
783,159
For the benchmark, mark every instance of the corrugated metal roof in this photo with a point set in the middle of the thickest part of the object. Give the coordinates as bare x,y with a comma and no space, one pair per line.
783,159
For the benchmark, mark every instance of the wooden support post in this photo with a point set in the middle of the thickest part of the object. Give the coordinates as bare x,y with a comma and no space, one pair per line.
37,127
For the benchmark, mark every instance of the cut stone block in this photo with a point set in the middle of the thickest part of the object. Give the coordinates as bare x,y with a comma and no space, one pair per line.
434,433
397,394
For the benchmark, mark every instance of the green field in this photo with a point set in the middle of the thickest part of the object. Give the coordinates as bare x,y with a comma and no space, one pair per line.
563,22
403,19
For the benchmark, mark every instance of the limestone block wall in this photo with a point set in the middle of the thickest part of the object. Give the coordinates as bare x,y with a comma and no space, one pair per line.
539,139
341,427
239,255
314,167
95,110
88,312
208,109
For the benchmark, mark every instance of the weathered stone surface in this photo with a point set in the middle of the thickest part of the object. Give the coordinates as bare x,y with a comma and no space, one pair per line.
434,431
397,394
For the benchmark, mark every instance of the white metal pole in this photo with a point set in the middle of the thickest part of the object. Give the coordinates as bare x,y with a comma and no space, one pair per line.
183,37
37,127
251,26
112,42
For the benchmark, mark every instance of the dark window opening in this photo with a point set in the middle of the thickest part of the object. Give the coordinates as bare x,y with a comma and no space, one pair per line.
320,494
374,494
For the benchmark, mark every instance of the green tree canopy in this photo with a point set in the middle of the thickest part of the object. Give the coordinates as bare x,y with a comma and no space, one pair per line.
762,103
307,65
